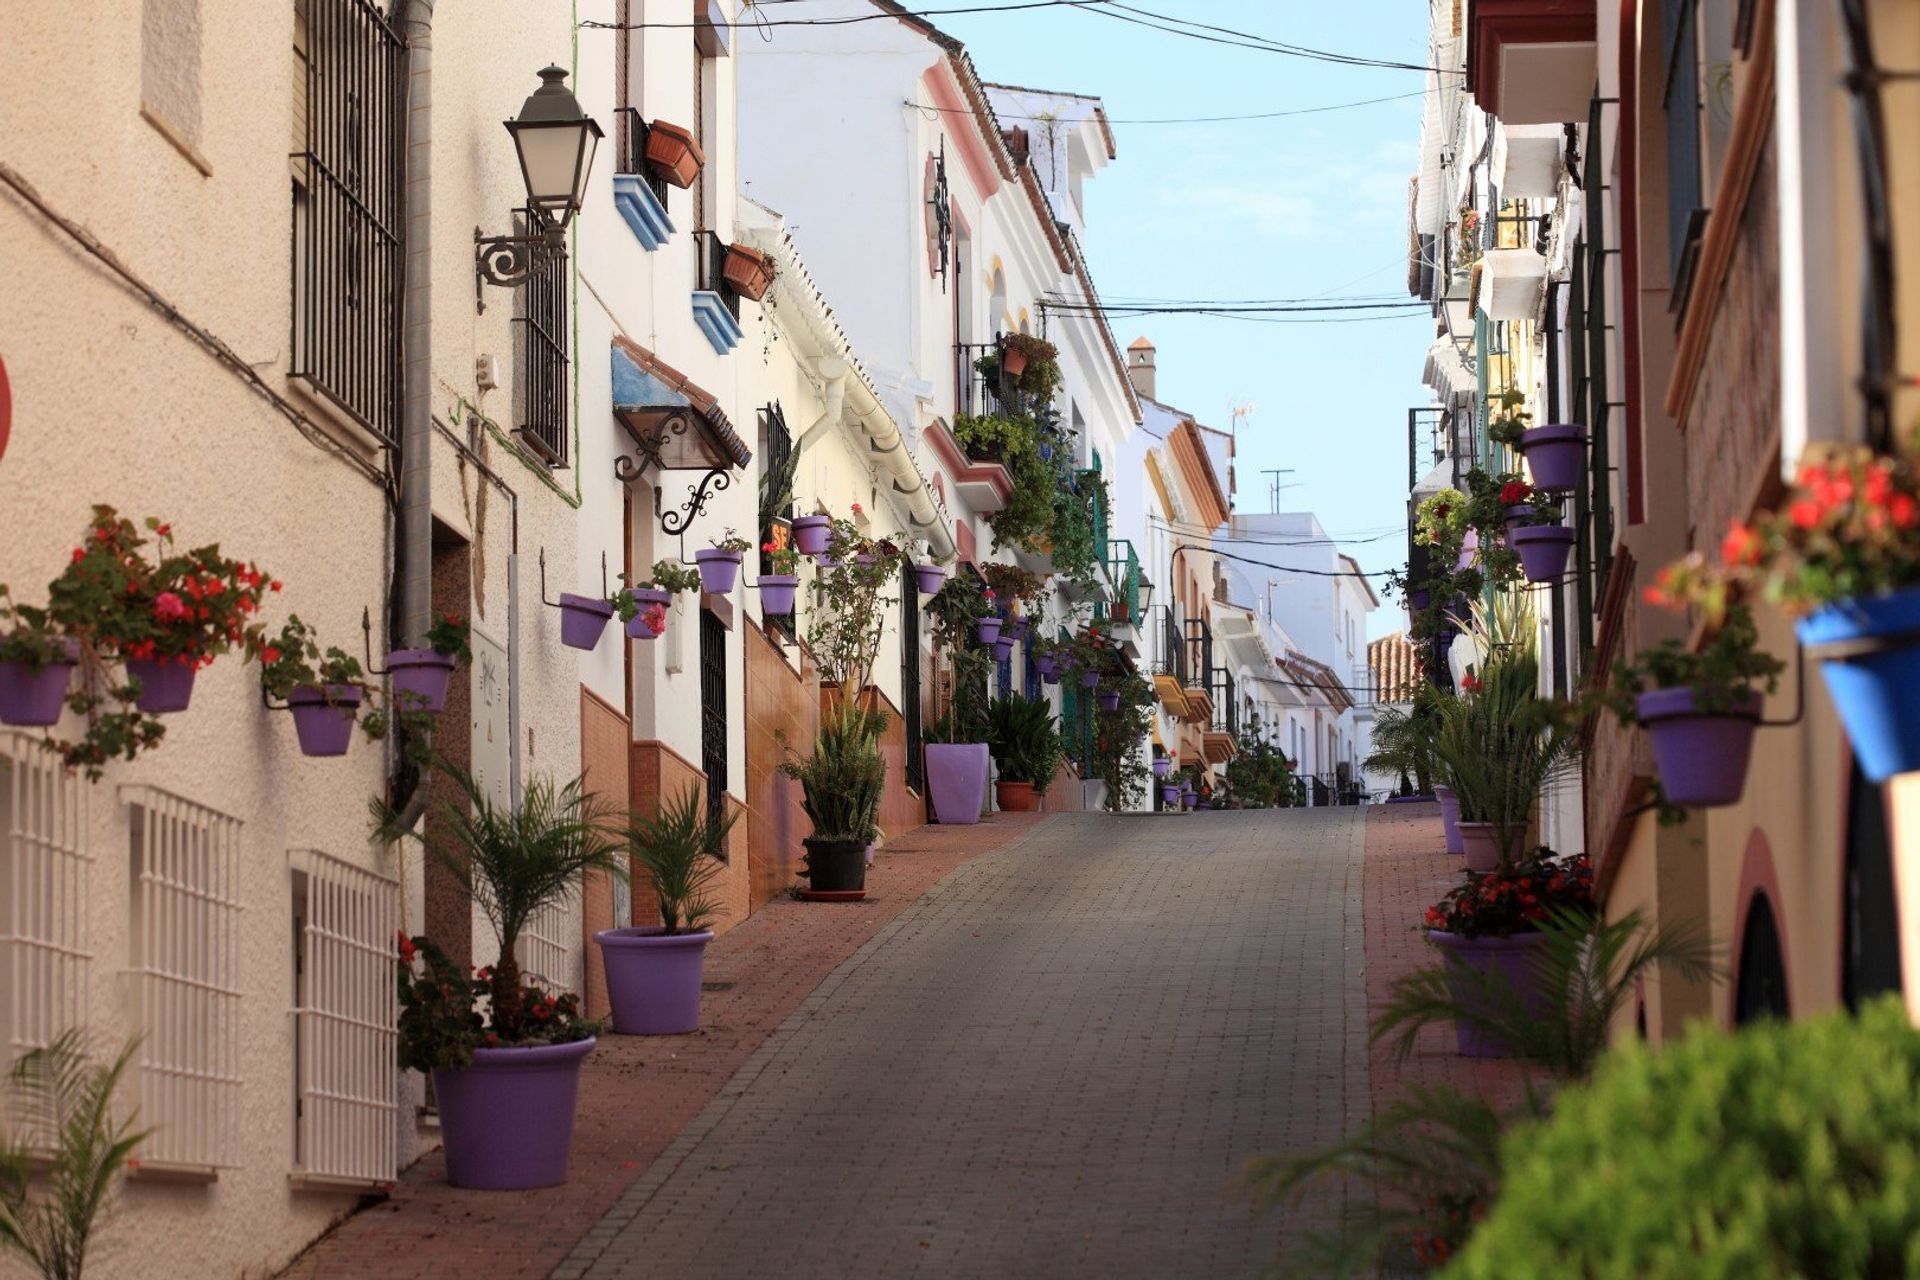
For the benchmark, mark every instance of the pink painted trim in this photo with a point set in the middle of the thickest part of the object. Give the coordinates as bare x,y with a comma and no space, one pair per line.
1758,876
938,79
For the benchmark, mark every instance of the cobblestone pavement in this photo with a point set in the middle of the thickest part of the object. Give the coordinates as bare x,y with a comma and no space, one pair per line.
1051,1065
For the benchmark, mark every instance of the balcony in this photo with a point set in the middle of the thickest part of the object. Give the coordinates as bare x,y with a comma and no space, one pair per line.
638,193
1121,611
1170,664
1197,669
1532,61
716,307
1221,741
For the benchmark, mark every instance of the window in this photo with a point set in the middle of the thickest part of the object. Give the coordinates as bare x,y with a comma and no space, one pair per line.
910,676
540,383
713,717
776,457
1686,214
344,1013
43,897
184,970
348,196
546,957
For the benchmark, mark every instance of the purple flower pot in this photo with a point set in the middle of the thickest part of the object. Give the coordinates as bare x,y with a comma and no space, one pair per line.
323,719
1701,756
776,592
1017,629
810,534
582,619
988,629
1003,648
1450,817
1109,701
1419,599
929,578
1049,668
653,979
637,627
1162,766
956,781
420,679
718,570
1513,958
1543,550
165,685
1515,514
863,558
1872,670
1554,455
1091,679
1482,846
1169,795
33,699
1201,804
507,1120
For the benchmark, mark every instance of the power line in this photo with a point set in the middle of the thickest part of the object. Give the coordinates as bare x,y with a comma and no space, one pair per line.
1258,115
1246,39
880,15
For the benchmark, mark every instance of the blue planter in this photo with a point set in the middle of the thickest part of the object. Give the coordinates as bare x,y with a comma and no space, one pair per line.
1869,651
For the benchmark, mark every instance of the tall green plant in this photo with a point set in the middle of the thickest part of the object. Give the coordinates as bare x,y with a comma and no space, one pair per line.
843,779
1026,741
1500,745
677,848
956,611
67,1140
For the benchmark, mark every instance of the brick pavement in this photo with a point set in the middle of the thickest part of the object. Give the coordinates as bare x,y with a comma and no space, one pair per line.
639,1093
1050,1065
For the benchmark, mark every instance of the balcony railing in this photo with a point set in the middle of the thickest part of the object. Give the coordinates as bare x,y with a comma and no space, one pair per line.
977,394
1226,706
1123,582
1172,660
631,152
1199,660
710,262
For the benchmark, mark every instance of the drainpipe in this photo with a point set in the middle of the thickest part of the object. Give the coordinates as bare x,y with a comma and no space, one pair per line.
416,408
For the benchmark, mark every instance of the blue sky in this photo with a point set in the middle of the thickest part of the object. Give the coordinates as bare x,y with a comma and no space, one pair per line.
1286,208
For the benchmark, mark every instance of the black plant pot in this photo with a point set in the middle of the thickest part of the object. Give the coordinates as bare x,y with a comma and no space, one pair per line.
836,866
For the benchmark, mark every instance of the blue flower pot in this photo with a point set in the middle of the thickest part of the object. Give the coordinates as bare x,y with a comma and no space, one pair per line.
1869,651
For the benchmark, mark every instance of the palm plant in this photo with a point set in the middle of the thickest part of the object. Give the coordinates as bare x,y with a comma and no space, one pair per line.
1501,745
1403,739
66,1130
1025,741
515,861
842,781
676,848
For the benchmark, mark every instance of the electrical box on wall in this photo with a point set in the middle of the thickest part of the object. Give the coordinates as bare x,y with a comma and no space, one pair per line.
486,372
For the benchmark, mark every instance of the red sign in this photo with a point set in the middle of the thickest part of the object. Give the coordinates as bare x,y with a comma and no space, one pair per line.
6,409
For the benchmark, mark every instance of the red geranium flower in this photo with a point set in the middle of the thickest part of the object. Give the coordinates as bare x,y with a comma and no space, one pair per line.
168,607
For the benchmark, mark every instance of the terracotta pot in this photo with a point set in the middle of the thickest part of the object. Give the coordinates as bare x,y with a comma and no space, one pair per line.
1014,797
1482,846
749,271
1013,361
674,154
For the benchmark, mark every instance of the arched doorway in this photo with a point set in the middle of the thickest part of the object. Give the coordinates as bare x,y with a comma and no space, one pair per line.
1760,989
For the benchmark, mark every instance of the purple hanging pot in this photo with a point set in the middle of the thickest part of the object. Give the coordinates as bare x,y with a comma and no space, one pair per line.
1090,679
988,629
1003,648
956,781
1169,795
582,619
165,684
1201,804
1048,667
1017,629
810,534
507,1120
1418,599
1109,701
420,678
776,592
33,699
1162,766
1512,957
1701,756
1516,514
653,979
718,570
323,719
637,627
1554,455
929,578
1543,550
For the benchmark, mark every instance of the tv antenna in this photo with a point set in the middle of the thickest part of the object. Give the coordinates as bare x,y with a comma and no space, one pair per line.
1274,487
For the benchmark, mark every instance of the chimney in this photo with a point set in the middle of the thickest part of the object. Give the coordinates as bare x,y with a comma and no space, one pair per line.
1140,369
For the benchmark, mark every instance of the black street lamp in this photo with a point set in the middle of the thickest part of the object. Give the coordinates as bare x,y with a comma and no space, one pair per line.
554,141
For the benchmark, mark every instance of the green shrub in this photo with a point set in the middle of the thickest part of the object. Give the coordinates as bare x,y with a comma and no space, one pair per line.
1788,1149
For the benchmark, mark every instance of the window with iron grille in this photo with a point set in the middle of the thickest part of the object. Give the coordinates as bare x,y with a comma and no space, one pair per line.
348,197
910,676
541,389
776,449
1686,215
184,976
713,716
44,897
346,1094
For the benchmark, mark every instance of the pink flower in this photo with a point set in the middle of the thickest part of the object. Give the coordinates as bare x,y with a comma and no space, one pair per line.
168,607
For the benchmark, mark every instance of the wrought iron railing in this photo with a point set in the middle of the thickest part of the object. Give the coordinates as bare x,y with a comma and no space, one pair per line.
1172,659
977,394
1226,706
1123,582
1199,645
710,265
713,718
542,386
631,151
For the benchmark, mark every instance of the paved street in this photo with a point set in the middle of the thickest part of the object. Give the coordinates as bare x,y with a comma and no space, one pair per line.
1051,1065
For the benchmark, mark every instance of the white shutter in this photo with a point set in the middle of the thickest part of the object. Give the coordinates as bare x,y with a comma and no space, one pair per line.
43,897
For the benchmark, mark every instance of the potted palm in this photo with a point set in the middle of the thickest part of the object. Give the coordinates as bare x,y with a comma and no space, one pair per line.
841,784
653,972
1498,745
957,749
506,1078
1026,751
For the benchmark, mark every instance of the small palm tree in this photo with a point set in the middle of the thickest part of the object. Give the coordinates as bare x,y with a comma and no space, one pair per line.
674,848
1500,747
516,861
66,1099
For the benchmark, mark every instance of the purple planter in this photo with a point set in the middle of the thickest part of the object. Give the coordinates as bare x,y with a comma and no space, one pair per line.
1554,455
582,619
810,534
507,1120
165,685
956,781
988,629
1515,514
1201,804
1482,846
776,592
1419,599
718,570
1090,679
653,979
929,578
1017,629
1543,550
33,699
1169,795
420,678
1513,958
323,718
1450,817
1049,668
1162,766
1109,701
637,627
1701,756
1003,648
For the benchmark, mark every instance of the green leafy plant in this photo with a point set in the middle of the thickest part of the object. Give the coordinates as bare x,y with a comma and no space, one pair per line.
293,660
62,1154
849,607
1025,741
843,780
1077,552
1403,738
1016,589
732,542
1508,420
1723,673
1778,1150
1519,899
1117,734
777,559
449,636
1259,776
27,637
441,1023
776,488
955,611
1500,744
677,848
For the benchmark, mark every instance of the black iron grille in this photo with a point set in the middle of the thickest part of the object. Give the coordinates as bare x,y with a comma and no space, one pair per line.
540,351
713,716
710,260
348,201
910,676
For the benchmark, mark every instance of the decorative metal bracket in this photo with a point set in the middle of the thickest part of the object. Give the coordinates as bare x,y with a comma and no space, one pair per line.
647,453
555,604
510,261
676,522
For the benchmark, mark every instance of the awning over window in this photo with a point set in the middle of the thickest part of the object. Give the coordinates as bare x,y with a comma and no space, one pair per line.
674,423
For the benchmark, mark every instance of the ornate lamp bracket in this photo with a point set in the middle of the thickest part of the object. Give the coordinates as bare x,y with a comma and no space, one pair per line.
510,261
